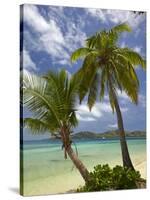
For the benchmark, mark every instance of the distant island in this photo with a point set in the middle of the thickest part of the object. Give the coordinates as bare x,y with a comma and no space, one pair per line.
106,135
112,134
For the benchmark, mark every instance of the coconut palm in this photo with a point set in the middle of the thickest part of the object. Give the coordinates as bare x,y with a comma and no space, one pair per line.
109,68
52,101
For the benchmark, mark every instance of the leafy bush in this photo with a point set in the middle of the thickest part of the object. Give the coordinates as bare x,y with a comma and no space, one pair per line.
105,178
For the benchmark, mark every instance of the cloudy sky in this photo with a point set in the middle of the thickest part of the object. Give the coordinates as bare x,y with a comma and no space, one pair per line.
50,34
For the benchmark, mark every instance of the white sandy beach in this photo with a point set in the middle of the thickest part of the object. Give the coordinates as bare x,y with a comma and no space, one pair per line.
46,171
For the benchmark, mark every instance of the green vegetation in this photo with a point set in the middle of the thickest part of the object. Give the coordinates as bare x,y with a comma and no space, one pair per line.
107,67
52,101
104,178
107,135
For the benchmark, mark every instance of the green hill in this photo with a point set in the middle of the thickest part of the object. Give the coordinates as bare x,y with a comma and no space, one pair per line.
108,134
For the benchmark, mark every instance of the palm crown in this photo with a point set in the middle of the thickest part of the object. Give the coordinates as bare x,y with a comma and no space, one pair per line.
52,99
108,67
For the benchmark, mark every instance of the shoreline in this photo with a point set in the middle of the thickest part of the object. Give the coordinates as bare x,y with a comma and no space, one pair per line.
141,167
50,180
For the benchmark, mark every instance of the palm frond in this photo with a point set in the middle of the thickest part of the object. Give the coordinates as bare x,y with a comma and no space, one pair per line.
133,74
111,100
91,41
133,57
36,126
52,99
128,83
116,63
93,91
108,38
35,96
103,80
80,53
87,76
115,75
73,120
56,84
121,28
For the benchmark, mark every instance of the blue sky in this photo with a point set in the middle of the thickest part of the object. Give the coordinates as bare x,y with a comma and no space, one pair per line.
51,34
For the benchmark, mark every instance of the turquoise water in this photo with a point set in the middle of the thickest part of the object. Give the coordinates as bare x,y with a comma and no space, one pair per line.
47,172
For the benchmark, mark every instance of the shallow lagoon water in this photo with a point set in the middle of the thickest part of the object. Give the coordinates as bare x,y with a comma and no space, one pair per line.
47,172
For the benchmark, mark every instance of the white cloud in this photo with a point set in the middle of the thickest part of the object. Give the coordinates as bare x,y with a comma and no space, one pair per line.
113,126
87,119
98,13
30,41
124,99
52,42
27,61
98,111
84,114
34,19
138,49
74,36
104,107
59,35
122,95
61,61
117,16
51,38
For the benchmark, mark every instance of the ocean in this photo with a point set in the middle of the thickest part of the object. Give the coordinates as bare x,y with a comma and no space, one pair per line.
45,171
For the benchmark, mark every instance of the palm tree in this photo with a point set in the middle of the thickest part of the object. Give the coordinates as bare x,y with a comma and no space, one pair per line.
52,100
108,68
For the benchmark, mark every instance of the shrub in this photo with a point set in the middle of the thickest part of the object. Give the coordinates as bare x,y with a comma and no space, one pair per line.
105,178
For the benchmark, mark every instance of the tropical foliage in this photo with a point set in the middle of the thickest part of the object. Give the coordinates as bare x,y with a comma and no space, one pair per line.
108,68
104,178
52,100
104,60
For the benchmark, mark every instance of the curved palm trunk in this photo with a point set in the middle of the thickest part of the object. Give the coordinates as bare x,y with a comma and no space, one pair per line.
124,148
69,151
79,165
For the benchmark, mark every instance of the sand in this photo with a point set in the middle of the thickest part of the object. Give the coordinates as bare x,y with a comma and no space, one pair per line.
46,171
